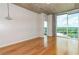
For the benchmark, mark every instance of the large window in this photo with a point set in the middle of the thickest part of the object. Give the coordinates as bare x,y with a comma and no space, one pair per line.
67,25
73,25
61,25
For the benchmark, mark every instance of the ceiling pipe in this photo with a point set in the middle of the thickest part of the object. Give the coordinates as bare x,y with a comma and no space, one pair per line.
8,12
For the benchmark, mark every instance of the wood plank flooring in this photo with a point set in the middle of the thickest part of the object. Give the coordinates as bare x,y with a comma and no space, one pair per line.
31,47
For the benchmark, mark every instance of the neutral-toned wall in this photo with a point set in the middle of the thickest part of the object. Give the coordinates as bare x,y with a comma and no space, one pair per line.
50,25
23,26
42,18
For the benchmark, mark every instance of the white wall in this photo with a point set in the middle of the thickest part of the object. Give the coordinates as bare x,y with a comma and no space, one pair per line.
41,23
43,17
50,25
24,25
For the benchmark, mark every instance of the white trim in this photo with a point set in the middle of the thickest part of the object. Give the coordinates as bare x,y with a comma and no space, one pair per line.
12,43
1,46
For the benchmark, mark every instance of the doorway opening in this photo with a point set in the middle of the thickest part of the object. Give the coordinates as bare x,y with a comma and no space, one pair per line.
45,33
45,28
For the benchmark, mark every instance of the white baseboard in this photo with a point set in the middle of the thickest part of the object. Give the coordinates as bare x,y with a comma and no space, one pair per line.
12,43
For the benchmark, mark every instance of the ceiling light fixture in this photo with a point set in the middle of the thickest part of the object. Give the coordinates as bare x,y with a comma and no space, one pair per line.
8,12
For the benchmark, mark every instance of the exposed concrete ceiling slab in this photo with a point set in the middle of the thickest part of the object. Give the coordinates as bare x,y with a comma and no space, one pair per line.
49,8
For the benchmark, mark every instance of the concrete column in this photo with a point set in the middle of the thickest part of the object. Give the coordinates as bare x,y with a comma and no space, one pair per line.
51,25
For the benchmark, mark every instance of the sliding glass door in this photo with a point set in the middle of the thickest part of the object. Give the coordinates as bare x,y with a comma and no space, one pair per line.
73,24
68,25
61,27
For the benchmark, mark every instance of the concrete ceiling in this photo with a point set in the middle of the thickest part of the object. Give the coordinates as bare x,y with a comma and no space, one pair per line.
49,8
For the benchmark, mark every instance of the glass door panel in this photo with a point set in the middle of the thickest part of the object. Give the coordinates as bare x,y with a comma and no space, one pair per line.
61,25
73,25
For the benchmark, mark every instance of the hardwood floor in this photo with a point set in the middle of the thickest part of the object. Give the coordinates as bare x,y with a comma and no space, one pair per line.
67,46
56,46
31,47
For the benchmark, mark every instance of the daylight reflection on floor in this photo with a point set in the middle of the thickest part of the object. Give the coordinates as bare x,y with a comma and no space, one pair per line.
66,46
